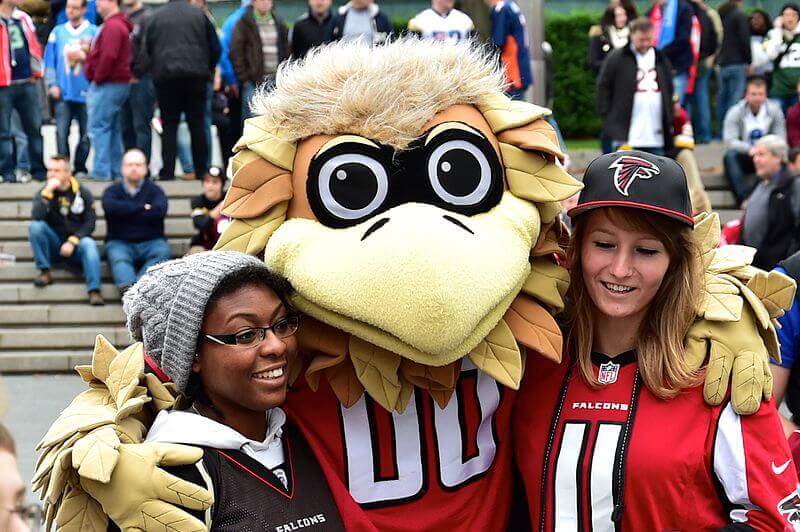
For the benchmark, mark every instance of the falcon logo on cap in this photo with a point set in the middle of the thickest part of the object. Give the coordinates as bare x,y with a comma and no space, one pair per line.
627,168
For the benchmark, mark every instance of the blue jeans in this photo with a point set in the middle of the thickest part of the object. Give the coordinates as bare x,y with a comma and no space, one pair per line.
46,245
130,260
740,172
730,89
23,97
700,107
137,114
104,104
23,163
679,83
66,112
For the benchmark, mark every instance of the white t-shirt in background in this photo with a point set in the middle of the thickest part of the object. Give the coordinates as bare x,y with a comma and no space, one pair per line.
646,129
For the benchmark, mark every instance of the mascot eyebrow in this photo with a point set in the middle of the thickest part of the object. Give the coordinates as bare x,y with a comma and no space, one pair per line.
355,339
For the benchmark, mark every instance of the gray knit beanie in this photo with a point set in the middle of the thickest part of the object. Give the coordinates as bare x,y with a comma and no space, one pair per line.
165,307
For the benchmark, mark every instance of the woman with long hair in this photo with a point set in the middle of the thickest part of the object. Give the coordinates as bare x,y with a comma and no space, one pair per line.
624,437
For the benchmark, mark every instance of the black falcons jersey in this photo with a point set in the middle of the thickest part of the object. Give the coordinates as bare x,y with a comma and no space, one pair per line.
249,497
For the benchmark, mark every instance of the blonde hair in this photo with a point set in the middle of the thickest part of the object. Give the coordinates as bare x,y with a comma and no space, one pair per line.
659,347
385,93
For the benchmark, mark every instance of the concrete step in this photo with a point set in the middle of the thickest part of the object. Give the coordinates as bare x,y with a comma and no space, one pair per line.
715,181
21,209
61,314
720,199
38,360
64,292
26,271
18,229
173,189
21,249
67,337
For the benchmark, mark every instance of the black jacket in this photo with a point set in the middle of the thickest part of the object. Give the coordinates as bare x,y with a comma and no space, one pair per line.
616,86
781,239
309,32
139,19
679,51
69,213
128,217
180,42
709,40
381,25
735,48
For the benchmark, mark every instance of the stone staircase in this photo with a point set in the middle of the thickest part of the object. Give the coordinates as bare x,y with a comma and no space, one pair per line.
53,328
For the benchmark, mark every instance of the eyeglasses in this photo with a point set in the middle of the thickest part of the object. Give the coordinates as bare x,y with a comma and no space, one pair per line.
30,514
282,329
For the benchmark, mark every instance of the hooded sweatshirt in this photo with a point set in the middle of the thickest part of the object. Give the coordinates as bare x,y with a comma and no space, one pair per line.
109,60
190,428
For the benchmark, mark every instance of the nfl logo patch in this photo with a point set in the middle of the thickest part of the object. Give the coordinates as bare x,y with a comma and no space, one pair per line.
608,373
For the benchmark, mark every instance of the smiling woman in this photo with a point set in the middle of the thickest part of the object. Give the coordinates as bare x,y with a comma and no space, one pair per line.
218,325
629,433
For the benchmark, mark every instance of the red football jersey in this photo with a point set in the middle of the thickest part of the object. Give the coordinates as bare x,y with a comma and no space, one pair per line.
681,464
426,469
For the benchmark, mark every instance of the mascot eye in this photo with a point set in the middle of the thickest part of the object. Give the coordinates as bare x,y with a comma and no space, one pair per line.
352,186
462,175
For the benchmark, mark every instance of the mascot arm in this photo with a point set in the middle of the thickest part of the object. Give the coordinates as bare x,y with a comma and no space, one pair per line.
737,318
93,464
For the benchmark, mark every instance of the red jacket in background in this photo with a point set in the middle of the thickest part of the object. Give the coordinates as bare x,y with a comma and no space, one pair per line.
109,60
33,48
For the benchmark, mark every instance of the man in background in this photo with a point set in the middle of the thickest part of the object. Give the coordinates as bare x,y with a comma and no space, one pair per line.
62,226
750,119
634,94
135,209
311,28
361,20
510,36
183,49
442,22
20,67
260,42
108,68
65,78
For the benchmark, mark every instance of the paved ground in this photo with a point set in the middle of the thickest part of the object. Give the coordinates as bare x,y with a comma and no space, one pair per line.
34,401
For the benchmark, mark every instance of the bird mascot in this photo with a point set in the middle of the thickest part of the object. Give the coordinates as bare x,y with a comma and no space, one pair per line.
414,208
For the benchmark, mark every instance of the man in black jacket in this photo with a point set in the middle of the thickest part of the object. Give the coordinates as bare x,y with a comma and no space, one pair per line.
734,56
63,222
311,28
773,208
182,50
634,94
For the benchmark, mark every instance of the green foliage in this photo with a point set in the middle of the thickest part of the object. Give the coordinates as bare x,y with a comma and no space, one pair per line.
574,106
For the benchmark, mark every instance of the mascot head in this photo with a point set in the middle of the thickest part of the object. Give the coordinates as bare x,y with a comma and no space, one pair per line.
412,206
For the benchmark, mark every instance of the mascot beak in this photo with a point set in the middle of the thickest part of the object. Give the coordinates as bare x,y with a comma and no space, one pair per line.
418,280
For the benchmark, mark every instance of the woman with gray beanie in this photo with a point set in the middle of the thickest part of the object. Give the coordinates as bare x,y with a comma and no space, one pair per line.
218,325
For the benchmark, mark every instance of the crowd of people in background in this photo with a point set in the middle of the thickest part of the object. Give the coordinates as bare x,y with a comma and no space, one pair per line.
108,67
653,76
120,70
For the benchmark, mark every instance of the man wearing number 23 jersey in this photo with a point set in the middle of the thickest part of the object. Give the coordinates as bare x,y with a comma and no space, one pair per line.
426,469
680,464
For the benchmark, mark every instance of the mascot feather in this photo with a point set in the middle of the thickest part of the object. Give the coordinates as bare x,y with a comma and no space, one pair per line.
414,209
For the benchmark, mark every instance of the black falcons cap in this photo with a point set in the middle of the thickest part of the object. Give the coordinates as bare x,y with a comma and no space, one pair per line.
638,180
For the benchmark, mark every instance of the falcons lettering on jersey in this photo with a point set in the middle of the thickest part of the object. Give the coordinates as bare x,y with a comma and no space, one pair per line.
790,507
628,168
